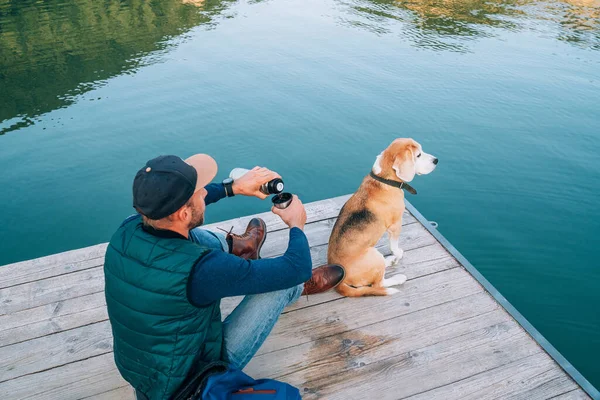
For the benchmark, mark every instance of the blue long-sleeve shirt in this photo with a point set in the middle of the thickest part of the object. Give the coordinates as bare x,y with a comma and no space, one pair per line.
219,274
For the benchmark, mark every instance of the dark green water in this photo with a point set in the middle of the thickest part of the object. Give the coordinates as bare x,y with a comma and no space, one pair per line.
505,93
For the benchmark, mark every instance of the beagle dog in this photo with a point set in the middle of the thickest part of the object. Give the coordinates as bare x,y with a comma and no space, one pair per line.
375,208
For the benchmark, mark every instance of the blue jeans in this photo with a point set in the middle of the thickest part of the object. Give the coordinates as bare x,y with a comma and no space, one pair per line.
249,324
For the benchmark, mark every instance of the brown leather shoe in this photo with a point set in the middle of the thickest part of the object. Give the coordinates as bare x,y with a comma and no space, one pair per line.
249,244
324,278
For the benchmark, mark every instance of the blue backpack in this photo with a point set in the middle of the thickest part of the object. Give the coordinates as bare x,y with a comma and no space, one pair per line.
233,384
217,381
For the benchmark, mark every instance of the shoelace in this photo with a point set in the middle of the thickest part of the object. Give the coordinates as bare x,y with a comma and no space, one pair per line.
227,232
309,284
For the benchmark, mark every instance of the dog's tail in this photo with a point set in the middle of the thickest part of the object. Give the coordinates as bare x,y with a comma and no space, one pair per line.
351,291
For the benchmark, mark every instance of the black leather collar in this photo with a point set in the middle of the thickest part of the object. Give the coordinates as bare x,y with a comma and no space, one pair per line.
399,185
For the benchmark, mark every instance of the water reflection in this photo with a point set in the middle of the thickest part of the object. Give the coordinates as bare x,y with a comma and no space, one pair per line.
52,51
450,24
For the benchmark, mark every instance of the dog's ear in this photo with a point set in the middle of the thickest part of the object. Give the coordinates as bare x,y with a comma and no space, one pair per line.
404,164
377,165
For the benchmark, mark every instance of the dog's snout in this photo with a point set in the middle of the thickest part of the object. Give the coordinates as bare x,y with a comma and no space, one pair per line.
435,161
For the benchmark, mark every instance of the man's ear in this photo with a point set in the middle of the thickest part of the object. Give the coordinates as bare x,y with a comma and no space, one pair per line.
181,214
404,165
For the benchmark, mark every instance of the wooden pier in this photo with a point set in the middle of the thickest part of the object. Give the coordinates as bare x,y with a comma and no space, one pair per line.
447,335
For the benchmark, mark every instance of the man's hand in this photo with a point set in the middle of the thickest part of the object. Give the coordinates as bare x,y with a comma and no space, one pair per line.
249,184
294,215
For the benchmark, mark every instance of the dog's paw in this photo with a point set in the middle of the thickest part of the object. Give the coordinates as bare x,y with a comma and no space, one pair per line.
391,260
398,253
391,291
394,280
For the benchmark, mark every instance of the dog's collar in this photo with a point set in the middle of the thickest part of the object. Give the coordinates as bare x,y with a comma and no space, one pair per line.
399,185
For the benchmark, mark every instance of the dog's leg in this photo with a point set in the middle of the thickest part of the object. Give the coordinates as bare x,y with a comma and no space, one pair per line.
370,282
381,282
394,234
394,280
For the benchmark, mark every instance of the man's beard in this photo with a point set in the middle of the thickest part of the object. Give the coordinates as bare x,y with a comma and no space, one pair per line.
197,219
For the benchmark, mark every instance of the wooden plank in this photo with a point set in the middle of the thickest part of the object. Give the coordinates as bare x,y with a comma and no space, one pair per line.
52,265
295,328
547,384
524,375
421,369
122,393
46,291
52,318
398,334
88,377
577,394
55,350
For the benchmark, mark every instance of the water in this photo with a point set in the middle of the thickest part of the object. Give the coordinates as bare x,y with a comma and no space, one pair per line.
505,93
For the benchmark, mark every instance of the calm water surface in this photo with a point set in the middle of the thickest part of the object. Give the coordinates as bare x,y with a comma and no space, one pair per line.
505,93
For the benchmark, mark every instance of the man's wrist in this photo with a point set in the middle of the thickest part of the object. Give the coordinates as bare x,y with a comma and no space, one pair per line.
299,226
235,187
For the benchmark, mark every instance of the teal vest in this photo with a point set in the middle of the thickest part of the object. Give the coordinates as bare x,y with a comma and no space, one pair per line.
158,335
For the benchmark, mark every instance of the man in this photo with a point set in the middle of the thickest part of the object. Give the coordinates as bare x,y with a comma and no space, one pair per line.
164,277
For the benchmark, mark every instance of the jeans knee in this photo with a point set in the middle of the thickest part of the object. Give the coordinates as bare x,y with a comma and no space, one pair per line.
212,240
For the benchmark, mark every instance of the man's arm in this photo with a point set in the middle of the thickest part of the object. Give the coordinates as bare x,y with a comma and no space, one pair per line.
217,274
247,185
215,192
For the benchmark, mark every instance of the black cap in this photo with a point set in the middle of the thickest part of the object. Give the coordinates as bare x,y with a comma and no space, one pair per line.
163,186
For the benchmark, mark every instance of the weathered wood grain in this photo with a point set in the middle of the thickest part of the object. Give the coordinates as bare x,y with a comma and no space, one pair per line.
521,376
46,291
423,368
54,350
577,394
309,324
72,381
52,318
122,393
547,384
399,334
53,265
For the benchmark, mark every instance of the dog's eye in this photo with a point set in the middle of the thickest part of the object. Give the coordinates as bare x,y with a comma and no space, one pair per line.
419,156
